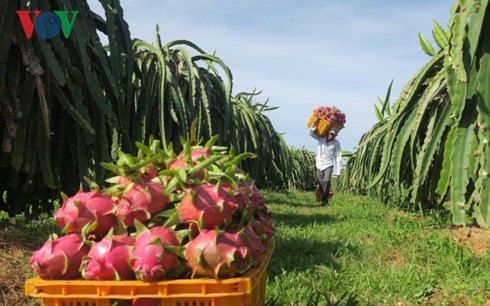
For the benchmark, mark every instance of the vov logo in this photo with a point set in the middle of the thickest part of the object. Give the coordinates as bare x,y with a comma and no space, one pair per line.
47,24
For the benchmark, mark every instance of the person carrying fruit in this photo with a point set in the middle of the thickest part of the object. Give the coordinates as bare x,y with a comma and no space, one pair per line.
328,160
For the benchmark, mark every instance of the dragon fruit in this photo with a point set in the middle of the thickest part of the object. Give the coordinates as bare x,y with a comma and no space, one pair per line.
197,154
208,205
331,114
87,207
108,259
141,202
241,198
256,245
262,225
148,173
199,192
256,200
151,260
218,254
182,162
60,258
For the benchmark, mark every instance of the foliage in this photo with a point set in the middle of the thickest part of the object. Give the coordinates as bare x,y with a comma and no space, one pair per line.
69,104
432,150
303,172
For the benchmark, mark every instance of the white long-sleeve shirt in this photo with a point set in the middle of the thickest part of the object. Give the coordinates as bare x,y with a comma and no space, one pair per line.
328,153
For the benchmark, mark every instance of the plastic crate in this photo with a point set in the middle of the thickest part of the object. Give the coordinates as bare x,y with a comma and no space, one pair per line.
248,290
322,125
312,121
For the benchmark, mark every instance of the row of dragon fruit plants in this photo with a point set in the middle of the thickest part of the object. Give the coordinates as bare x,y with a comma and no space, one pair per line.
163,215
429,149
87,103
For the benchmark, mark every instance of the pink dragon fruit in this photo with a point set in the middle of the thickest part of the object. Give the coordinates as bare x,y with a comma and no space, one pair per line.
257,246
262,225
241,197
151,260
141,202
123,181
256,200
108,259
148,173
196,154
87,207
218,254
331,114
207,205
60,258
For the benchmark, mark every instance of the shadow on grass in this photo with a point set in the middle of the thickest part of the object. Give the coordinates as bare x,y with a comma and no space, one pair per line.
294,254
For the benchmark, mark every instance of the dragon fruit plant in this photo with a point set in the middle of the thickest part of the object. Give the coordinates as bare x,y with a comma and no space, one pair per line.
163,215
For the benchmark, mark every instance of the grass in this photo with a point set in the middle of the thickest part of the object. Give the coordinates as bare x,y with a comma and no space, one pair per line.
356,251
18,240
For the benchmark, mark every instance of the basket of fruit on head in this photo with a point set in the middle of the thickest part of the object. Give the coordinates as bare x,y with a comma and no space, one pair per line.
325,118
164,217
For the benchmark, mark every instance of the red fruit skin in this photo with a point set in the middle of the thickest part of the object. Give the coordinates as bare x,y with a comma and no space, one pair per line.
196,155
150,261
218,254
92,206
256,200
141,202
240,196
60,258
148,173
181,164
108,259
256,246
124,181
177,164
262,225
207,205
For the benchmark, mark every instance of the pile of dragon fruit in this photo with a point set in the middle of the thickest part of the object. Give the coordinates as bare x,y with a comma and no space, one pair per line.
331,114
161,216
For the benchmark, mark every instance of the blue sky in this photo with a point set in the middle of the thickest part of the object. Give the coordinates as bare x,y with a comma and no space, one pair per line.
303,54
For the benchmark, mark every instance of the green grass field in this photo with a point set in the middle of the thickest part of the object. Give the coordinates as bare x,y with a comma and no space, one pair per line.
356,251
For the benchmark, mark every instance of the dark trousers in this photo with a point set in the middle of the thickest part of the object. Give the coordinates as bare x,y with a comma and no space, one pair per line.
324,177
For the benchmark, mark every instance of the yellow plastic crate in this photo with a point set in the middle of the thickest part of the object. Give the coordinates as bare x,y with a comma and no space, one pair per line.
248,290
322,125
312,121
